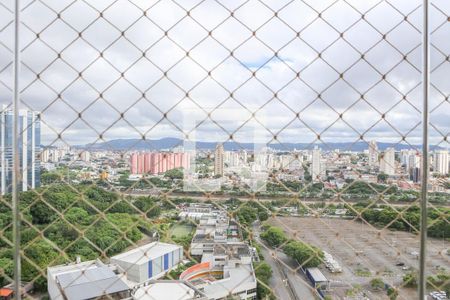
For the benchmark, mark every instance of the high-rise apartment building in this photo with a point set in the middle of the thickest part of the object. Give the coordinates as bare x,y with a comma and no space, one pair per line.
232,159
52,155
158,162
387,161
85,156
373,154
440,162
413,167
316,164
218,160
29,142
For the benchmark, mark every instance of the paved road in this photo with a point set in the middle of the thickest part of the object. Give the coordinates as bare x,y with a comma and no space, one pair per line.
277,281
285,283
301,287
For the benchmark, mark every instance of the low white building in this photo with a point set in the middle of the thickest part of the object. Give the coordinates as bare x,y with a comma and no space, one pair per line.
167,290
151,261
211,230
233,261
86,280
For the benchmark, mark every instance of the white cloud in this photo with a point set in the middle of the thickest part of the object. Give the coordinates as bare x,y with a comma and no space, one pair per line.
144,94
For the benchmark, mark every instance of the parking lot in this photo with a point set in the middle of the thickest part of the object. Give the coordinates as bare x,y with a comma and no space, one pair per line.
365,252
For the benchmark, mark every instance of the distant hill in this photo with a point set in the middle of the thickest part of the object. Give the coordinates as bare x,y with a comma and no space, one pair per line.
169,143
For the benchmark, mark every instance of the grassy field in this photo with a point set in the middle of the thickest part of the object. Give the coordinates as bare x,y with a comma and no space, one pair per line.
181,230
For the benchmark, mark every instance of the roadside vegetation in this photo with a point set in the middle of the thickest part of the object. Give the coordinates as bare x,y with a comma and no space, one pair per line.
404,219
305,254
248,212
440,281
263,273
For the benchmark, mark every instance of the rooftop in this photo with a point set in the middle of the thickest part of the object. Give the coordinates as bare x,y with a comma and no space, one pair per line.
5,292
233,250
144,253
165,290
234,279
90,282
317,275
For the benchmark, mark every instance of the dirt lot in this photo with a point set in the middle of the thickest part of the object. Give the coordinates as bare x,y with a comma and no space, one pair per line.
365,252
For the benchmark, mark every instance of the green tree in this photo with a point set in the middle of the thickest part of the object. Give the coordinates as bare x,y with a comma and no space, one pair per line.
306,255
274,236
263,215
82,249
61,233
100,198
50,177
440,228
6,271
78,216
174,174
263,273
123,206
149,206
107,238
247,214
42,254
41,213
127,224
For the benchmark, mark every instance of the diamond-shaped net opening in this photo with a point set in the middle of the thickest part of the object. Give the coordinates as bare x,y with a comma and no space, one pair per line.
212,149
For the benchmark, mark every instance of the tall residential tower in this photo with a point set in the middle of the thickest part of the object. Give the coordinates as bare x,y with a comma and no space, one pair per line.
373,154
441,162
316,164
218,160
29,141
387,162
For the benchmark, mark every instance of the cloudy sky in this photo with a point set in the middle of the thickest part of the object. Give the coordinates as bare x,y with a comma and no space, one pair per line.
290,69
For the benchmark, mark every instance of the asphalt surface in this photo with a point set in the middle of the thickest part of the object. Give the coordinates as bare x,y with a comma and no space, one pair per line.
278,281
358,246
285,282
298,281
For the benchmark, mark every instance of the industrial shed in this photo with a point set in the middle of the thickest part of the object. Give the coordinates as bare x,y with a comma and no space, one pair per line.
317,278
150,261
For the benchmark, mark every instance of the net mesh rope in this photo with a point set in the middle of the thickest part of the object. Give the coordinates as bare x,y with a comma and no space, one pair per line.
314,72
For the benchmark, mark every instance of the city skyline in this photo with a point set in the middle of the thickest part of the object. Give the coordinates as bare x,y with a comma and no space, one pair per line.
224,149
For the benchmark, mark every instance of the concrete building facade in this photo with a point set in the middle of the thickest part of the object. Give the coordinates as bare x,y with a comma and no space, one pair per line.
151,261
218,160
441,162
157,162
29,150
387,161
